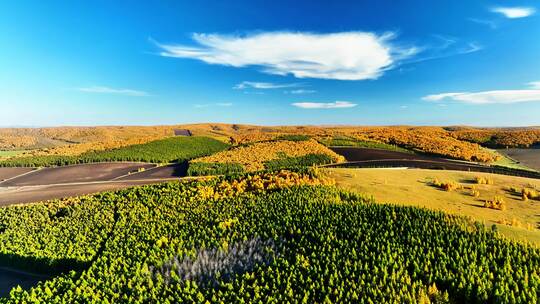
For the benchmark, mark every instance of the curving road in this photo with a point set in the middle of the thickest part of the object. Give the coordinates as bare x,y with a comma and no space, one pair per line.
24,185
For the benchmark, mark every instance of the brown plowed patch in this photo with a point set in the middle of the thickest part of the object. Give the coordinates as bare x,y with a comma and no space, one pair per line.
527,157
170,171
47,192
6,173
76,174
377,158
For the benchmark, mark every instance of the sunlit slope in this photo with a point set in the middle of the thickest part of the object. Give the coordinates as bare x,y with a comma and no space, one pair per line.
451,142
413,187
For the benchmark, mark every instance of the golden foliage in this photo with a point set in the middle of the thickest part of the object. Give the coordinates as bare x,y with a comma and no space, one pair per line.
259,183
77,140
432,140
497,203
482,180
529,194
515,223
13,141
447,186
252,157
515,137
458,143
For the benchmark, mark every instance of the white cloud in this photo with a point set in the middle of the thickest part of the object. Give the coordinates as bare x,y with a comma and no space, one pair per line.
264,85
343,55
491,97
514,12
108,90
324,105
300,91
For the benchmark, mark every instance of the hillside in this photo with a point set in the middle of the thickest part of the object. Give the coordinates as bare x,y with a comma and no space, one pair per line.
451,142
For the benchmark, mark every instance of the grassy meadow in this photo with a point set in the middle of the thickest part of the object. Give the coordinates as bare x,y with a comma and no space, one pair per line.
413,187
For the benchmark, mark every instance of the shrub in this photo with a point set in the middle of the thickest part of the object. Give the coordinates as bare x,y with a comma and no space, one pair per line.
481,180
342,141
204,169
301,161
527,194
496,203
294,137
446,186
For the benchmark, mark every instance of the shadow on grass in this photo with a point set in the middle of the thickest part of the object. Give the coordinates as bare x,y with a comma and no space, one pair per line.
469,181
16,270
180,169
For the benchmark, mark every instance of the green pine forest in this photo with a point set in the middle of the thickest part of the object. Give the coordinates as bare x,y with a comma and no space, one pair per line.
180,243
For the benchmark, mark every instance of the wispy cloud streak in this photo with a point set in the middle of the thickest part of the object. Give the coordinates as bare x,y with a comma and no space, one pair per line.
265,85
300,91
324,105
532,94
108,90
218,104
490,23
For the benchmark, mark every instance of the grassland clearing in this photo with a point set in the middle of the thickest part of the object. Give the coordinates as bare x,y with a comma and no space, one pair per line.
10,153
414,187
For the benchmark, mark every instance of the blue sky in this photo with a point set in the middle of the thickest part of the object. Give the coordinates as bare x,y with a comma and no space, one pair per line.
269,63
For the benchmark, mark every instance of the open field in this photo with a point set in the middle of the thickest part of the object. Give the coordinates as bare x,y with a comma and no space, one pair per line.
160,172
527,157
6,173
10,153
31,185
76,174
412,187
278,238
372,158
37,193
